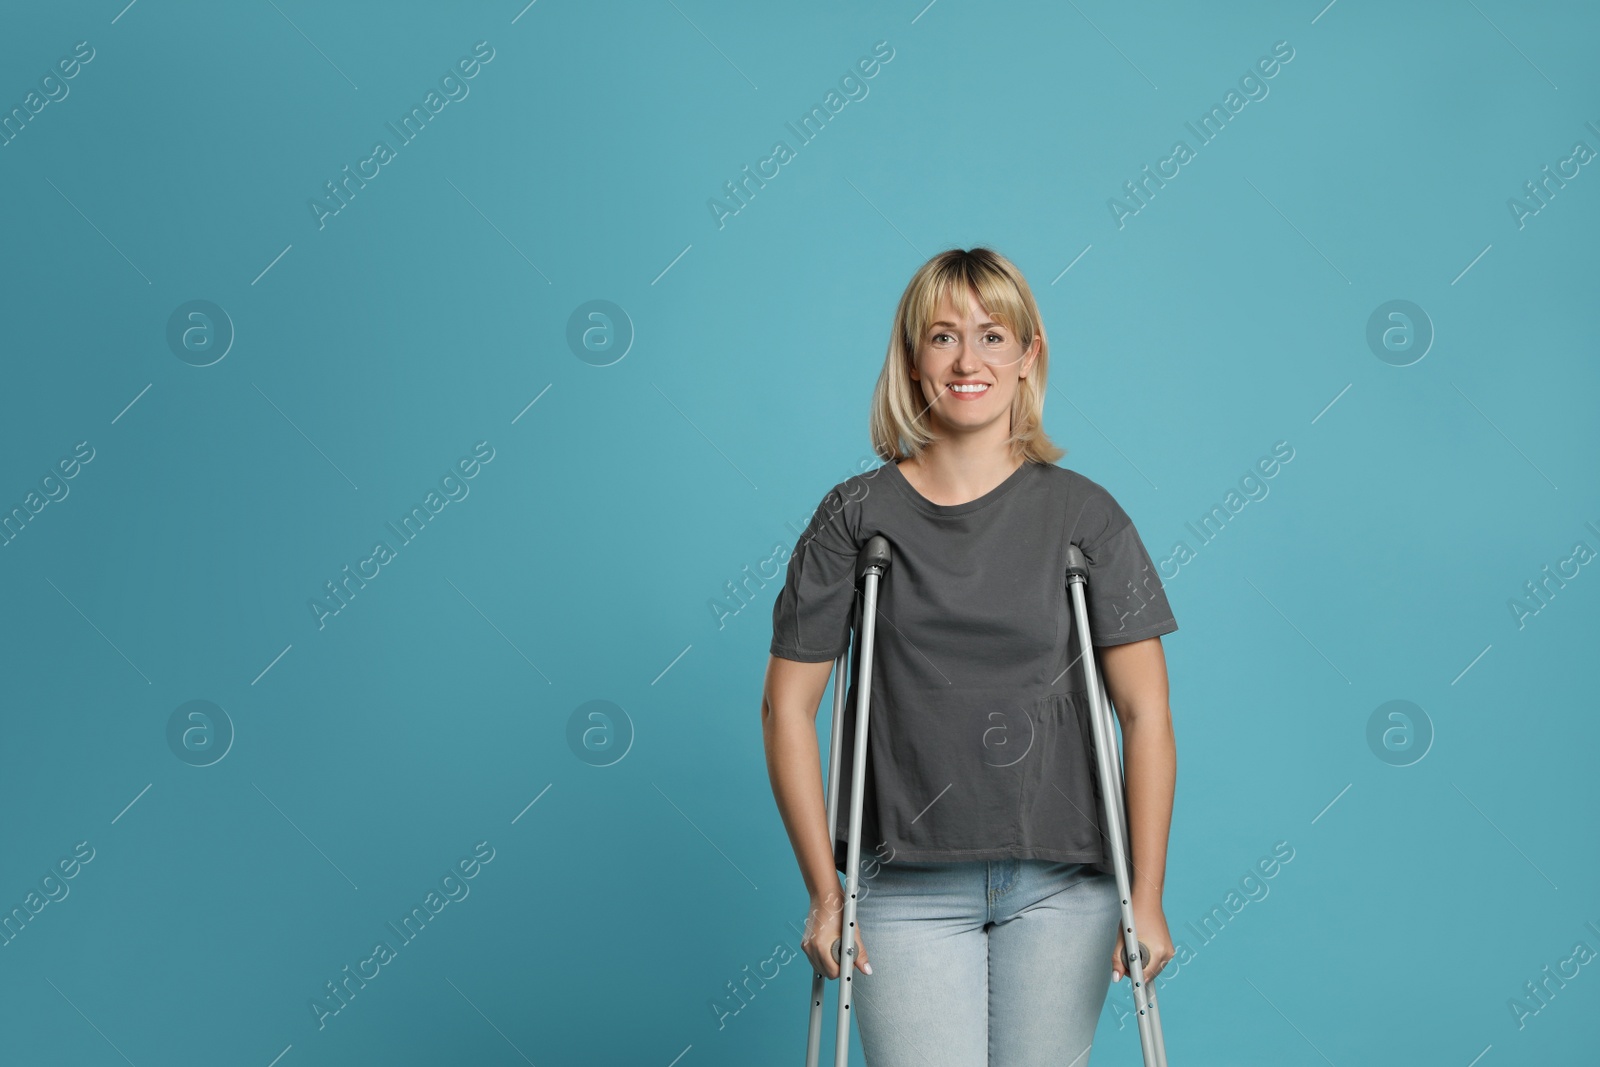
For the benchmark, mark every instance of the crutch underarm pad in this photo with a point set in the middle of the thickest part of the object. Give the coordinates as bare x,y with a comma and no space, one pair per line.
875,553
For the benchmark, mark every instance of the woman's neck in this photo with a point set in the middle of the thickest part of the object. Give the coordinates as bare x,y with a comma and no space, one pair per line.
954,476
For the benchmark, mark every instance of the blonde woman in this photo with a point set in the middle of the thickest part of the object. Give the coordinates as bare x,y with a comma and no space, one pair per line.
988,911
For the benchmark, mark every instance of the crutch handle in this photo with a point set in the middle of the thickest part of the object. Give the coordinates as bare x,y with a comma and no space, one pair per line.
1144,958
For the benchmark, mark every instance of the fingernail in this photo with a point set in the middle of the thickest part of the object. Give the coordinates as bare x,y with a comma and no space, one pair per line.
866,968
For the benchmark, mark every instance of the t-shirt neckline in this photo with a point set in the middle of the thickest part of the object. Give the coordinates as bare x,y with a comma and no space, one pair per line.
923,504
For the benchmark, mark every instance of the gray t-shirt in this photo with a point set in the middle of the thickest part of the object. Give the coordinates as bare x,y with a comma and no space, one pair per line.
980,745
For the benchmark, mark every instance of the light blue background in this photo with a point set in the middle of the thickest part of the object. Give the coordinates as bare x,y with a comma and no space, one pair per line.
371,754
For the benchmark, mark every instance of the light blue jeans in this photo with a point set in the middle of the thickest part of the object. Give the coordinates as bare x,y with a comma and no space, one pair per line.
1004,963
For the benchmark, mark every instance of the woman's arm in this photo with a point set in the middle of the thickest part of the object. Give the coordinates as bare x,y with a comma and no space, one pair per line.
1136,681
790,698
789,702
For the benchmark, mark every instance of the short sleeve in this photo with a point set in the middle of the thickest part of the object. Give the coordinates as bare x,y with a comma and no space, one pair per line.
811,617
1125,597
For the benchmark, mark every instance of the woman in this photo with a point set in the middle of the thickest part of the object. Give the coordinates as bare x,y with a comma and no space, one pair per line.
988,909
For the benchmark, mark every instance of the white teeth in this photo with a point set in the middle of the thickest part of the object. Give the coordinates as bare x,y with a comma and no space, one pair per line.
969,388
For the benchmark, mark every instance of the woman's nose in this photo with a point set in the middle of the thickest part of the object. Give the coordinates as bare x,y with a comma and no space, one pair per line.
968,357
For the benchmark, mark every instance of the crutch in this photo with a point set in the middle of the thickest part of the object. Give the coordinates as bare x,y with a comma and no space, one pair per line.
1134,952
870,564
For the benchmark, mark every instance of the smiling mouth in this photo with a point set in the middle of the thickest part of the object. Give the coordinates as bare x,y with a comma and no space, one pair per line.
968,391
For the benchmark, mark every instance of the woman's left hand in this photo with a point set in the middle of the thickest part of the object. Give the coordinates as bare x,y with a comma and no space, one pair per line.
1151,927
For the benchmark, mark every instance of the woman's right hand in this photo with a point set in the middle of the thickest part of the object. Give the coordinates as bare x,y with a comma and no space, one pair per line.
824,926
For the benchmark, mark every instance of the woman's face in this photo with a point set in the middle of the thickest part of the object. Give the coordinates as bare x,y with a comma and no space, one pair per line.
968,367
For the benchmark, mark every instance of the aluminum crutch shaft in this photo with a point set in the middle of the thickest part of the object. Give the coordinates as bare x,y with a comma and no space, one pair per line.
1109,769
870,567
818,982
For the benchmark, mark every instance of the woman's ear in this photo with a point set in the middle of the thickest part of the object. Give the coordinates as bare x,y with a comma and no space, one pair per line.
1028,358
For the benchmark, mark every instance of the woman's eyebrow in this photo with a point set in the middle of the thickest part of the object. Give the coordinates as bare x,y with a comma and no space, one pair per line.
981,325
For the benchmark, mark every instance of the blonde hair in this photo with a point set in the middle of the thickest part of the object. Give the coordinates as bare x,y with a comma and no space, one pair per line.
898,423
